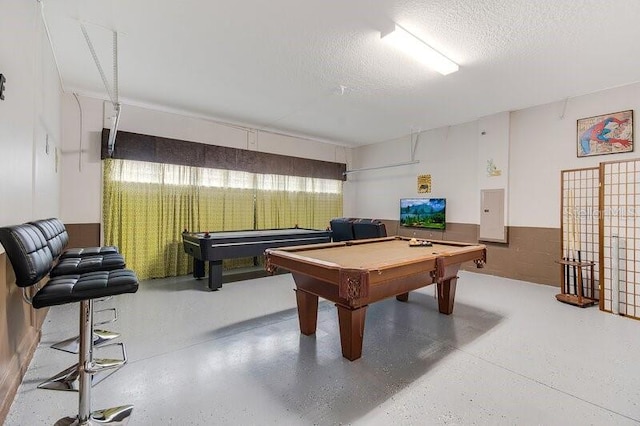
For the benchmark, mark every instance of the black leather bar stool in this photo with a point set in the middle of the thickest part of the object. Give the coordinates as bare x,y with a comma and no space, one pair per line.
32,260
77,260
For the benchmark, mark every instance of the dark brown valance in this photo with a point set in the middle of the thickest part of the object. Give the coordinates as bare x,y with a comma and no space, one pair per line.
155,149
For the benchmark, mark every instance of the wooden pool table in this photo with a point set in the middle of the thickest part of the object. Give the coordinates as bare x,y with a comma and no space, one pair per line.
353,274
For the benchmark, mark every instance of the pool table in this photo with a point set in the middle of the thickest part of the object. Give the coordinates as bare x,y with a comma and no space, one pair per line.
353,274
213,247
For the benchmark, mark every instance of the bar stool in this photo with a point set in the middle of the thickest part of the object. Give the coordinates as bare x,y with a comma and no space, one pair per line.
79,260
31,258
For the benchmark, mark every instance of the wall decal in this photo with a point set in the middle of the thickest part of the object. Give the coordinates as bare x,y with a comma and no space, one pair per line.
492,170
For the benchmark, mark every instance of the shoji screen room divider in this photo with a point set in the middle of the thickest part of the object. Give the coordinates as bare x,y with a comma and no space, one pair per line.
620,226
600,220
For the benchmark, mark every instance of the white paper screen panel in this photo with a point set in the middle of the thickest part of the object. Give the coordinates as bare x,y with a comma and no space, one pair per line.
620,213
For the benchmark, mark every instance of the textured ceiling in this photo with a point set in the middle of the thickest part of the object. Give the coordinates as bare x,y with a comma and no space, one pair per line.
278,64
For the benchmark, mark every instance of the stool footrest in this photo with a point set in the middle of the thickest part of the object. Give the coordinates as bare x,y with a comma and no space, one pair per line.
72,345
67,380
100,364
114,319
99,369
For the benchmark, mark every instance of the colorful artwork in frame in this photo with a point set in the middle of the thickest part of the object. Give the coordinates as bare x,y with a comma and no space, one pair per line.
424,184
605,134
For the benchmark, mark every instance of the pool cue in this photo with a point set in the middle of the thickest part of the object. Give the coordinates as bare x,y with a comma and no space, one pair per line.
567,281
572,229
579,249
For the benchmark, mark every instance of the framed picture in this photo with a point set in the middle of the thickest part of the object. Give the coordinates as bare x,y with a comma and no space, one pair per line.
424,184
605,134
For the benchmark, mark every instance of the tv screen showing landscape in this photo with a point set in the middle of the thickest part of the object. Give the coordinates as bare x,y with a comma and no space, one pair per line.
423,212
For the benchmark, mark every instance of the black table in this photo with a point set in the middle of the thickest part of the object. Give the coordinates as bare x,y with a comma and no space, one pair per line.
216,246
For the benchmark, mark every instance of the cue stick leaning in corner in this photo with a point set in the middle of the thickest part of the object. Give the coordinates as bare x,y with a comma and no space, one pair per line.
572,238
567,288
578,238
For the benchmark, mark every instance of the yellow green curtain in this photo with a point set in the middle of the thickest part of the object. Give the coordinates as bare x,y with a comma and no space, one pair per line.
225,209
225,203
287,201
133,216
146,206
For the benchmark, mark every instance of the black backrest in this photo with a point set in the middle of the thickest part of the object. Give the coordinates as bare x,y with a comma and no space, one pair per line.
28,252
341,229
368,228
55,233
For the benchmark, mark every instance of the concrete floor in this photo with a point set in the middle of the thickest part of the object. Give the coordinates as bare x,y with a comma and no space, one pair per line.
509,354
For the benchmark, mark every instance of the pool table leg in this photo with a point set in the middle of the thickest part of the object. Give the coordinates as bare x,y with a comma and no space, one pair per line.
446,295
198,268
215,274
307,311
404,297
351,331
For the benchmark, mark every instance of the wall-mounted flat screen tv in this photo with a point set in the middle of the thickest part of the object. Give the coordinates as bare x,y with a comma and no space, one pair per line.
423,212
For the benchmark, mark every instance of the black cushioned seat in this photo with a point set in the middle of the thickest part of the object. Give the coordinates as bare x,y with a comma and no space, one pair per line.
368,228
57,238
76,261
80,265
28,252
341,229
75,288
346,228
32,259
89,251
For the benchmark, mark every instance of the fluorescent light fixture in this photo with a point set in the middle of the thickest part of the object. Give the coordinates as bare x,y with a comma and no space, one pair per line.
419,50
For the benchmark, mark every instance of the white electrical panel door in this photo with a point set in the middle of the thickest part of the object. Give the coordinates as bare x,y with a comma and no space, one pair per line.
492,226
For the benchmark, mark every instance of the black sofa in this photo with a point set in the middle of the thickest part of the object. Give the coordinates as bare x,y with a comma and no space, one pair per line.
345,229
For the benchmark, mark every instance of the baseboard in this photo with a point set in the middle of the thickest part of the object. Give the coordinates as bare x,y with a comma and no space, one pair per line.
15,371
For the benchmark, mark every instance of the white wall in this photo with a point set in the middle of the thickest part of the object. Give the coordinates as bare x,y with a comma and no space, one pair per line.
81,195
544,142
448,154
540,142
82,177
29,117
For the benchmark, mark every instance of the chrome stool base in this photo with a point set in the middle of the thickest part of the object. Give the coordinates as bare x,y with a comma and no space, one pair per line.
98,369
67,380
110,416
